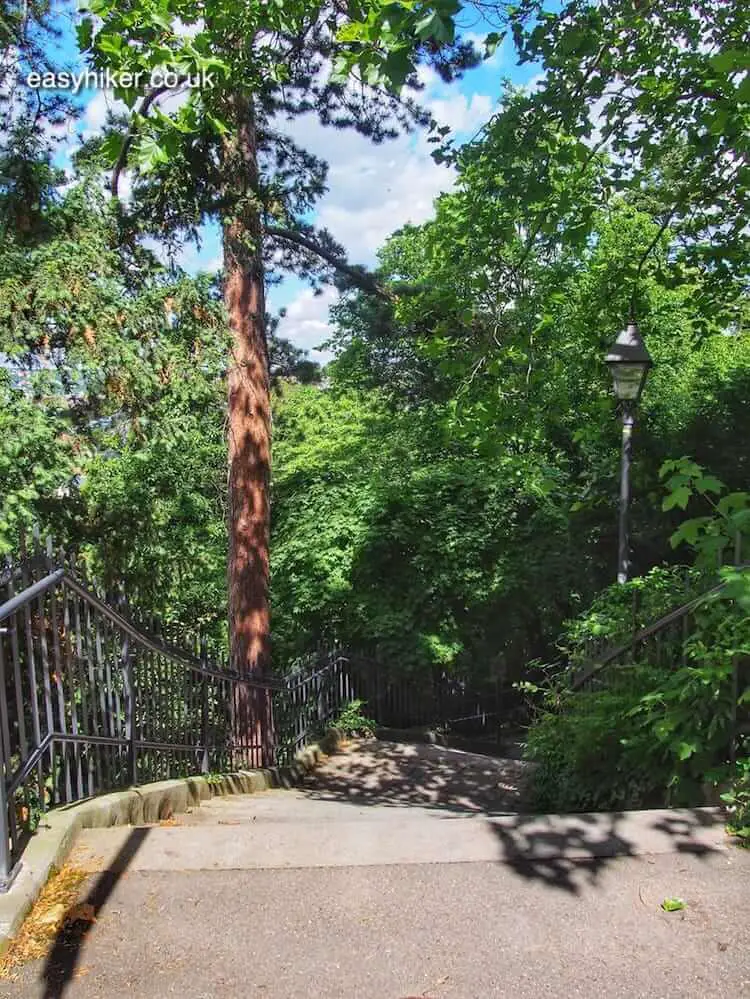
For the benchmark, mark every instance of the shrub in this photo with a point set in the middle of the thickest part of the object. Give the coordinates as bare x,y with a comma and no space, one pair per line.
587,755
351,720
738,800
647,734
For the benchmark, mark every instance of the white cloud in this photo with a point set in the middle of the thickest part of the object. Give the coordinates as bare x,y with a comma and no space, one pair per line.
375,189
97,110
306,322
535,83
372,197
461,113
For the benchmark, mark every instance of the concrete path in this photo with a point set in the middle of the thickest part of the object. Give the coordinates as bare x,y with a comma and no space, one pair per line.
348,888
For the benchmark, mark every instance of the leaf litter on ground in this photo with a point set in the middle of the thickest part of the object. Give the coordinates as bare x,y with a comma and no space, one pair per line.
56,907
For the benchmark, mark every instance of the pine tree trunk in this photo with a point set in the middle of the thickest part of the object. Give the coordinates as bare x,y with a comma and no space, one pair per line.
248,431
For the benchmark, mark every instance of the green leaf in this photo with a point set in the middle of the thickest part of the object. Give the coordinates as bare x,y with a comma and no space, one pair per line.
492,41
685,750
673,904
731,60
110,44
85,33
680,497
433,25
709,484
111,147
217,124
149,153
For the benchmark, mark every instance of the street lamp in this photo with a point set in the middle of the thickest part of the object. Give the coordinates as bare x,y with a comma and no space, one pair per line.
629,361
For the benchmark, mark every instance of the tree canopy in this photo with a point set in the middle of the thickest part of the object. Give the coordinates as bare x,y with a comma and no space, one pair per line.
445,489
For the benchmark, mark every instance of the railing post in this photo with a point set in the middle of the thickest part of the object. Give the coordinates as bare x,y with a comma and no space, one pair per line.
733,719
8,870
204,708
130,710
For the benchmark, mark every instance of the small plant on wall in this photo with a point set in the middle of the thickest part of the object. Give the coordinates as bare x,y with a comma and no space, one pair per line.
352,721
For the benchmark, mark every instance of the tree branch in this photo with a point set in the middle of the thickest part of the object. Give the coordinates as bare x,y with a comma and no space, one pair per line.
363,279
119,166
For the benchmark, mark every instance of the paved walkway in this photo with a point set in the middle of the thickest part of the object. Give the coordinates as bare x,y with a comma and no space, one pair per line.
399,872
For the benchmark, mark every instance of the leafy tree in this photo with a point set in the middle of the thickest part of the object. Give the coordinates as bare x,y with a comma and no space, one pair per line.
113,406
28,33
391,535
501,340
653,91
223,154
37,462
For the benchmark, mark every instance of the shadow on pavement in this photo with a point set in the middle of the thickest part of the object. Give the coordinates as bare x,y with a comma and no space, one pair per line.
566,852
564,855
62,960
569,851
404,774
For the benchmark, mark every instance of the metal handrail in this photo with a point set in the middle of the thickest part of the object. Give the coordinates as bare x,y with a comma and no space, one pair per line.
90,700
31,593
14,604
645,633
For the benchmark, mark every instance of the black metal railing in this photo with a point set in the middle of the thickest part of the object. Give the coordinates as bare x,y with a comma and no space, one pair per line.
91,701
632,672
661,643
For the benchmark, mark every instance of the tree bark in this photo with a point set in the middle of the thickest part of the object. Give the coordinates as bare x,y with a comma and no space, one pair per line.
248,432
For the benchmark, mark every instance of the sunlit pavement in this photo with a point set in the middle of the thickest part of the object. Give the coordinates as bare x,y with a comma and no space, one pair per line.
400,871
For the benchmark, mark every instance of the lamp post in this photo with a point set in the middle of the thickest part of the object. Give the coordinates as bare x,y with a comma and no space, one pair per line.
629,361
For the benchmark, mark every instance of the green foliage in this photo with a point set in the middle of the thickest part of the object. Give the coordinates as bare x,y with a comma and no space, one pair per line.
723,534
352,720
655,735
390,534
661,729
673,904
36,461
737,798
583,763
447,495
111,423
669,82
622,609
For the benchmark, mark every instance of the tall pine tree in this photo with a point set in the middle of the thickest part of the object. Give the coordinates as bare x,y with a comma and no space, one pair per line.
221,152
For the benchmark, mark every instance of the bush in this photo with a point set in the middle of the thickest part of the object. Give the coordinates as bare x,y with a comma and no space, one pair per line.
624,608
352,721
738,800
587,753
648,734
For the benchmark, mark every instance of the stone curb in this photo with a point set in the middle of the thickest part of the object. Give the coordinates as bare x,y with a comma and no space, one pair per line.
428,736
50,845
509,748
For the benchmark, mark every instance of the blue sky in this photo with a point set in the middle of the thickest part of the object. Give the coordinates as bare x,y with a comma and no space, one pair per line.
373,190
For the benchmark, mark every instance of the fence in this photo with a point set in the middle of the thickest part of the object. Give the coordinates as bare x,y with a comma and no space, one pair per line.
393,698
91,700
434,697
661,643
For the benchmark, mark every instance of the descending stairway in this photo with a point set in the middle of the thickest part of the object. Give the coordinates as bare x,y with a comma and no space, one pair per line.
400,871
